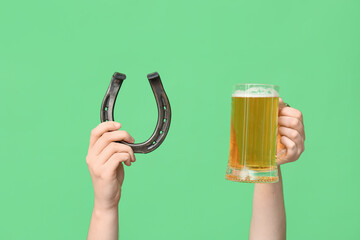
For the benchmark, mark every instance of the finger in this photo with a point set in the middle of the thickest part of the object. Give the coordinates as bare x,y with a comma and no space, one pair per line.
291,148
281,104
291,112
115,161
97,132
112,148
291,122
292,134
109,137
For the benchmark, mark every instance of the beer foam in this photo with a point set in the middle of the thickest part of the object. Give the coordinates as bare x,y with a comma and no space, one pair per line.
256,92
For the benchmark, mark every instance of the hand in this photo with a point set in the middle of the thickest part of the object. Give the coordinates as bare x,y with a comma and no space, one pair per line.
104,160
291,134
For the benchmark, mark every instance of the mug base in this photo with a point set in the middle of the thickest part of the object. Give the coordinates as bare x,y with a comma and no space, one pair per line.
246,175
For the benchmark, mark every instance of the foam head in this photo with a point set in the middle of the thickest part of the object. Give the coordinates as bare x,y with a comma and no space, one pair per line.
256,92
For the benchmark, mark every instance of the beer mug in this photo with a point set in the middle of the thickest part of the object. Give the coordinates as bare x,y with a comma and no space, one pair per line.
253,133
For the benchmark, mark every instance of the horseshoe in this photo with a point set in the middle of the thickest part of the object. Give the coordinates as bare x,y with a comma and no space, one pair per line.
163,106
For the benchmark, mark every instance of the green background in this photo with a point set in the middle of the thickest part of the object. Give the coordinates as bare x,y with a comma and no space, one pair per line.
56,61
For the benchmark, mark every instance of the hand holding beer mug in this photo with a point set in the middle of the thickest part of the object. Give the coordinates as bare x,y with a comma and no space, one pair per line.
254,134
291,134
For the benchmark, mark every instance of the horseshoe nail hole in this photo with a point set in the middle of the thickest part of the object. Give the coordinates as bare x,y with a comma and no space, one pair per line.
165,107
154,142
164,119
161,132
106,108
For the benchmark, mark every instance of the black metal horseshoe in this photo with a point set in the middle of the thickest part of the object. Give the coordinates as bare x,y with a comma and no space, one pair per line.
163,106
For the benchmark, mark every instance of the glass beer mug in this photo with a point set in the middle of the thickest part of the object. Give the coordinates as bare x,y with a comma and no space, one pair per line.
253,134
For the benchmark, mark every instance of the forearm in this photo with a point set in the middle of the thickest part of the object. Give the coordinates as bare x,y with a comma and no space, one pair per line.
104,224
268,214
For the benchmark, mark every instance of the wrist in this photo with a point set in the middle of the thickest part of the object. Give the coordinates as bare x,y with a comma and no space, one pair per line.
103,207
106,202
104,217
101,211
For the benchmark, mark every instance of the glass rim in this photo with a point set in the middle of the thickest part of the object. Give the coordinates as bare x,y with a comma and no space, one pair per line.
256,84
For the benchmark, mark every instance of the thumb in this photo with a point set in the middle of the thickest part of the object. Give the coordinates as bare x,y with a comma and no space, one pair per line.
281,104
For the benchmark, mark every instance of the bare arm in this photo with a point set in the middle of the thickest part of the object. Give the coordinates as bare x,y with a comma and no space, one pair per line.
104,224
105,162
268,215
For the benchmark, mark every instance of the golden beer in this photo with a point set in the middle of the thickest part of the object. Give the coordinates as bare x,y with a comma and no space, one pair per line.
253,136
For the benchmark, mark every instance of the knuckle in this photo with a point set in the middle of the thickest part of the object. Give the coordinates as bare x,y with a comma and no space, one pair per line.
128,148
104,175
299,153
122,157
280,119
294,123
88,160
294,134
296,113
106,123
302,133
124,134
281,129
107,136
117,156
127,157
97,172
93,132
299,114
113,146
292,145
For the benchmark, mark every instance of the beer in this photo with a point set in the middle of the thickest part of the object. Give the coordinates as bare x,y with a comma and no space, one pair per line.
253,135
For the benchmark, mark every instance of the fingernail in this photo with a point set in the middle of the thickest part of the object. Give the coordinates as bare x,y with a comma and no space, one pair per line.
117,124
132,139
